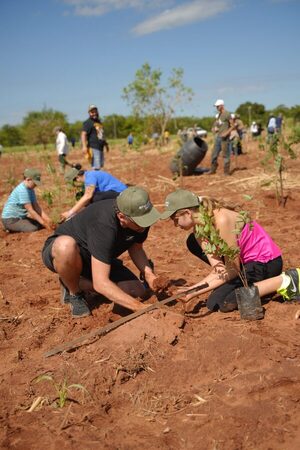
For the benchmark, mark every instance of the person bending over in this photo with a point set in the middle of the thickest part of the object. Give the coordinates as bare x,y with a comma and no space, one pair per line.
89,244
97,186
216,226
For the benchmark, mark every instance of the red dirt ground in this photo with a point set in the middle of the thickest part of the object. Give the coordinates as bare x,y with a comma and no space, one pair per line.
162,381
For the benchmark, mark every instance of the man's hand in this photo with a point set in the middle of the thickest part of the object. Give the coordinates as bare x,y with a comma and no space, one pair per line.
49,225
66,215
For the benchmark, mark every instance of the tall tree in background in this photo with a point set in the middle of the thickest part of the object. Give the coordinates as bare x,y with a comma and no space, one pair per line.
252,112
149,98
38,126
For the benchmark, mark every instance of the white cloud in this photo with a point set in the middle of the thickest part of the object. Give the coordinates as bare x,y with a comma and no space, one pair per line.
100,7
180,12
182,15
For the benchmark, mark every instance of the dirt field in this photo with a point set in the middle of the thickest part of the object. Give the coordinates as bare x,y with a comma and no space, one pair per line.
164,380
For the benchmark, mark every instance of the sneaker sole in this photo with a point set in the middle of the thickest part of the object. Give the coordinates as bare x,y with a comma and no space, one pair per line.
85,314
77,316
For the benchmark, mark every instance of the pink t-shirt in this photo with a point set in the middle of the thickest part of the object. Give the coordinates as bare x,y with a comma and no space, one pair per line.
256,245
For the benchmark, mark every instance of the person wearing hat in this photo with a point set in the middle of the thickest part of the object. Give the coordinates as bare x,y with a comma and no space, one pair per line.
98,185
223,126
87,247
92,137
217,227
21,212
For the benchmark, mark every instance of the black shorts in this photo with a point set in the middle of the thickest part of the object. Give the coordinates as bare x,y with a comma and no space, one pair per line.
118,271
104,195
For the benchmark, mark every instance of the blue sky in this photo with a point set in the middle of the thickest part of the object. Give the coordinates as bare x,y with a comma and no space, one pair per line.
65,54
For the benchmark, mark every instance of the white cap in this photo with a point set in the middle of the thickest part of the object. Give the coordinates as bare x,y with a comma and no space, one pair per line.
91,107
219,102
232,116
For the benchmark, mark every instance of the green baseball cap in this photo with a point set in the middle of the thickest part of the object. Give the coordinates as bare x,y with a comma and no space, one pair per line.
179,199
134,202
34,174
71,174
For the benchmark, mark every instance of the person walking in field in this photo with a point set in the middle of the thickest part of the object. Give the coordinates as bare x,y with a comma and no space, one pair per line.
130,140
98,185
92,138
279,123
89,244
271,127
215,224
223,125
21,212
62,148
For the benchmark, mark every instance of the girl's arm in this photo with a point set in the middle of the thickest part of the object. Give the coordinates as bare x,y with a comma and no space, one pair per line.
221,272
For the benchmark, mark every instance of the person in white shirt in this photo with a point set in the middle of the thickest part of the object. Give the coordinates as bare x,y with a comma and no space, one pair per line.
62,148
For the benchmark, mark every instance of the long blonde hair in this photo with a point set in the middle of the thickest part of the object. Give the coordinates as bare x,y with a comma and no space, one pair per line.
210,204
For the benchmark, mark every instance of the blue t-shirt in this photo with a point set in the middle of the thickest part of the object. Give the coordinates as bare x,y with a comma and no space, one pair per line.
278,122
14,207
102,181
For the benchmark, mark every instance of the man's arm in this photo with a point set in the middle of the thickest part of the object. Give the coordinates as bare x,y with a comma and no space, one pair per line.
232,126
84,201
84,141
106,287
36,213
139,257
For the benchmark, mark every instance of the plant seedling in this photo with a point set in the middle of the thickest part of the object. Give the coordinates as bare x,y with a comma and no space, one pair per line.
62,388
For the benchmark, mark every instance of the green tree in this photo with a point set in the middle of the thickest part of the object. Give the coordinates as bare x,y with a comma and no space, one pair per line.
295,114
149,98
38,126
10,136
74,130
252,111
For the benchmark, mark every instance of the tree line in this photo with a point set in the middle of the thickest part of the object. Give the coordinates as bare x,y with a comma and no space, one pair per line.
37,127
154,104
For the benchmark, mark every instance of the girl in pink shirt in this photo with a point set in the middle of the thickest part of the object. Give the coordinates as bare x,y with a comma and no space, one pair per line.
256,251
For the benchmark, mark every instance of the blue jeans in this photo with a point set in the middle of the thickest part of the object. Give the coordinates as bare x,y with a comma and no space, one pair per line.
98,158
221,145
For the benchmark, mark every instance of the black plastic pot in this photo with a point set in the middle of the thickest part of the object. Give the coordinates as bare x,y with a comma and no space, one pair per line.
189,156
249,303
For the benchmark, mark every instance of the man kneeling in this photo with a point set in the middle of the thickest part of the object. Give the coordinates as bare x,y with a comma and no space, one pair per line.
88,246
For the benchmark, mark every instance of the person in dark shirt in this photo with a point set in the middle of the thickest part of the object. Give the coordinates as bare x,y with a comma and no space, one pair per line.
92,137
88,245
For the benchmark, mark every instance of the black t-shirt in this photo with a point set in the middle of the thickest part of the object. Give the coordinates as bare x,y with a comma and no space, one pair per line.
95,133
98,230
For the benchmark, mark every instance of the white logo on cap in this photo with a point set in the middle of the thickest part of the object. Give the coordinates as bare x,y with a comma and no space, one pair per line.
146,207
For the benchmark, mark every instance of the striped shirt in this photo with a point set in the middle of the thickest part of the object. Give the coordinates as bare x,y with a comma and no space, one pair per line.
14,207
